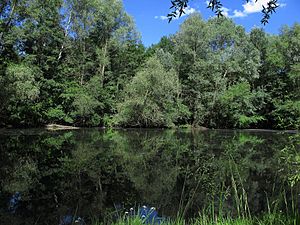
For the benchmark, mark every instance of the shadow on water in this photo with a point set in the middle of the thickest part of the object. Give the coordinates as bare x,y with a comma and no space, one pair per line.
93,173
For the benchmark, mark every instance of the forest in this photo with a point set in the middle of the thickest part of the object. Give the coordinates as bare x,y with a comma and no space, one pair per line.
82,63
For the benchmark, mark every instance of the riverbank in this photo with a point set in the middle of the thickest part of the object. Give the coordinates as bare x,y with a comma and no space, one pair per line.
55,127
60,127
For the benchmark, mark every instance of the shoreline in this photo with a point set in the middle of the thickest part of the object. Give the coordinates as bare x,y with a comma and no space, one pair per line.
59,127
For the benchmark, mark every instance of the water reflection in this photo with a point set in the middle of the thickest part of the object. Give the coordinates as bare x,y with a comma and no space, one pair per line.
93,173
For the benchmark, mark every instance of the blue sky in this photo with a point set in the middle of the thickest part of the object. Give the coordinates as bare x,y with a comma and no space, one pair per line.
149,15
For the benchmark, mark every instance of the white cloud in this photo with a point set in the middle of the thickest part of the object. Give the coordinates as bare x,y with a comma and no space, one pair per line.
161,17
225,11
252,6
238,13
188,11
282,5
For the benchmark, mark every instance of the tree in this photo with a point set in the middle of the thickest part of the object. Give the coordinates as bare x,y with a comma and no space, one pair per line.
20,93
165,43
152,98
97,26
81,62
239,107
211,57
68,41
283,58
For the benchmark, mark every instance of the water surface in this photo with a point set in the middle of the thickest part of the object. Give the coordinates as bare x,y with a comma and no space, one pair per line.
100,174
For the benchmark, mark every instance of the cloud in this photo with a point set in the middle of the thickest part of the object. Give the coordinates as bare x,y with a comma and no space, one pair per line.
161,17
225,11
252,6
238,13
188,11
282,5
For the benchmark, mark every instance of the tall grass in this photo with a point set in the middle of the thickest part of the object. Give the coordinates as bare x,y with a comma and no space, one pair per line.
212,215
267,219
273,216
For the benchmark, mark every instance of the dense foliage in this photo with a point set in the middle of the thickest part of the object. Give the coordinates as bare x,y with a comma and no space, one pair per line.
152,98
82,63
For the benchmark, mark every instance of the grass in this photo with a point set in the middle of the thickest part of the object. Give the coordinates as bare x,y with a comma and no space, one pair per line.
268,219
273,215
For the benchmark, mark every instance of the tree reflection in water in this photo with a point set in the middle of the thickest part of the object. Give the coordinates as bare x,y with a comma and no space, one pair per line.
88,172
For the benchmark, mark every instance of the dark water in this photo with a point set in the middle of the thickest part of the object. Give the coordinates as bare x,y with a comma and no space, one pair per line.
92,173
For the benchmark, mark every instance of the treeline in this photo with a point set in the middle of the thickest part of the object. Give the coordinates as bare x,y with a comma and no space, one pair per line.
81,62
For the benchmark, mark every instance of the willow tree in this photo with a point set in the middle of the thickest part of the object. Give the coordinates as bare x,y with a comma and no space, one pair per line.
211,57
152,98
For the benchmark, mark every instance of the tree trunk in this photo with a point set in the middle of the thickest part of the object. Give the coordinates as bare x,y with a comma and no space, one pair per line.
103,65
83,64
66,34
